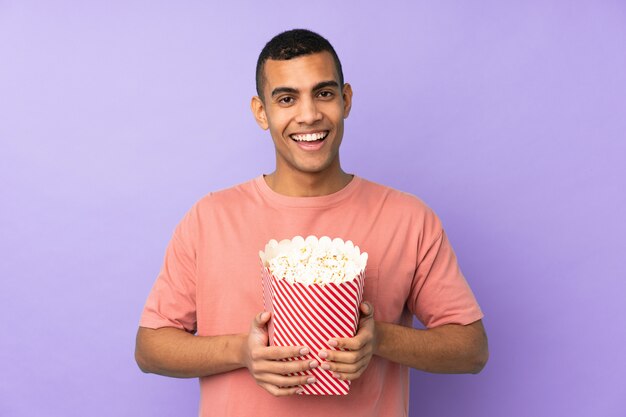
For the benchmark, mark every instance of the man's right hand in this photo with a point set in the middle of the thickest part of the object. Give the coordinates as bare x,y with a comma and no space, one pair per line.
264,362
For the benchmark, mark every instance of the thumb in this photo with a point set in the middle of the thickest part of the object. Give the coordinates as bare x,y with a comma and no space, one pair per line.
260,320
367,309
259,325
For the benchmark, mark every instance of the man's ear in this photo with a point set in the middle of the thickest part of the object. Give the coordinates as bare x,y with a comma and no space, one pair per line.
258,111
347,99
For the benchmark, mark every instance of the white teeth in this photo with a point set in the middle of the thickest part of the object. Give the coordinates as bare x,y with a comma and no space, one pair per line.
309,137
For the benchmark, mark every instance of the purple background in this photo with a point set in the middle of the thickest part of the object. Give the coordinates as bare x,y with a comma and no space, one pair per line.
509,120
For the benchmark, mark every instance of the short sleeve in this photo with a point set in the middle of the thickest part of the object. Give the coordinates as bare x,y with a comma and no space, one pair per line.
439,292
172,300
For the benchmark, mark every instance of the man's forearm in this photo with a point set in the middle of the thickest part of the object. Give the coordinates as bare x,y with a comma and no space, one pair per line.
176,353
446,349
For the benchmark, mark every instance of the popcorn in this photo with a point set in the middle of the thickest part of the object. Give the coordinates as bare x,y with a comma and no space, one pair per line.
313,288
312,261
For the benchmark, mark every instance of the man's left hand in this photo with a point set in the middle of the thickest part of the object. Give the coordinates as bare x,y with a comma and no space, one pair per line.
349,364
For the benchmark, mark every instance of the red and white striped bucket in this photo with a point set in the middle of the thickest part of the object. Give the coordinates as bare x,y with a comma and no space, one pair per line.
310,315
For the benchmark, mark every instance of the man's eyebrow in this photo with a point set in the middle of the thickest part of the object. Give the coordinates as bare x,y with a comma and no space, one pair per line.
318,86
325,84
279,90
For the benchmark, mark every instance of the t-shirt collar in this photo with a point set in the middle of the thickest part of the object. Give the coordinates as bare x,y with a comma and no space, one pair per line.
322,201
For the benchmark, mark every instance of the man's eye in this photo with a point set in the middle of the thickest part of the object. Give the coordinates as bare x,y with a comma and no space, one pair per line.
286,100
325,94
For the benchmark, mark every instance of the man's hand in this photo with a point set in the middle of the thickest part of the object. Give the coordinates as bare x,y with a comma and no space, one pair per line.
264,363
351,363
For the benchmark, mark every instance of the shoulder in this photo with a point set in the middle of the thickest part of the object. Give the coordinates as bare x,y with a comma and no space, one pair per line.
223,199
215,204
403,206
394,197
227,195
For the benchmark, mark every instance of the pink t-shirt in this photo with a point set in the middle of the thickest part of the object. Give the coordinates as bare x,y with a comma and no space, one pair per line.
210,283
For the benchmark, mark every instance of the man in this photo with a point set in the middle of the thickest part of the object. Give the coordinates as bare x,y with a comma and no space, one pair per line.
210,282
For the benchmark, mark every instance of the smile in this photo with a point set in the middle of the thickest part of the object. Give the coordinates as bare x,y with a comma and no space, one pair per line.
309,137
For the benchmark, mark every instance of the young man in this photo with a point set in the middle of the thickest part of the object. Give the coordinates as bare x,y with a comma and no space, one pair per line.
196,322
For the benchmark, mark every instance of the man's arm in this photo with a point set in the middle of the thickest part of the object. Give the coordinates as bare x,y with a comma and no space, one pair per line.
173,352
449,348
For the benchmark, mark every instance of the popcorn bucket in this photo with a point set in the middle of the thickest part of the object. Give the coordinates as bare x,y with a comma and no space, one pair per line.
309,315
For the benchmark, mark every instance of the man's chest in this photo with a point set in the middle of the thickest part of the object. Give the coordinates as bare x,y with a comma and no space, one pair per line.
229,291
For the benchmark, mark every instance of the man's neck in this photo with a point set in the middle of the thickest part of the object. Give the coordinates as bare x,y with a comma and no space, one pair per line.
307,185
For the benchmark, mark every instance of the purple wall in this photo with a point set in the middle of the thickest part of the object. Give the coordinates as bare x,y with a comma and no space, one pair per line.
509,120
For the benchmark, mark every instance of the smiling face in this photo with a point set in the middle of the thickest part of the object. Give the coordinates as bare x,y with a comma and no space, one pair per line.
304,107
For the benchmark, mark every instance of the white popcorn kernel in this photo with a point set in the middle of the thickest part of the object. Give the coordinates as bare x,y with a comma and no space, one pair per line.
338,243
298,241
324,243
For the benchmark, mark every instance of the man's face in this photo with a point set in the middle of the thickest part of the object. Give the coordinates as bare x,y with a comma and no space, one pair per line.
304,107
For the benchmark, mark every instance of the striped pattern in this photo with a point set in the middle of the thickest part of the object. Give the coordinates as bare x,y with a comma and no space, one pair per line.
310,315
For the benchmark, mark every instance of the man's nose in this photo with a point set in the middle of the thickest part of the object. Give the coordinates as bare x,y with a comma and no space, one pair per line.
308,113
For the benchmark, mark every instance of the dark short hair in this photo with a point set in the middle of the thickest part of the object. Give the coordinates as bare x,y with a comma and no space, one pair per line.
292,44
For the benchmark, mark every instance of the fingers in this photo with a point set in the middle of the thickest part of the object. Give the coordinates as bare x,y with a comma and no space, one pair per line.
343,356
280,392
282,367
351,369
282,378
346,365
278,377
285,381
358,342
352,343
280,352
